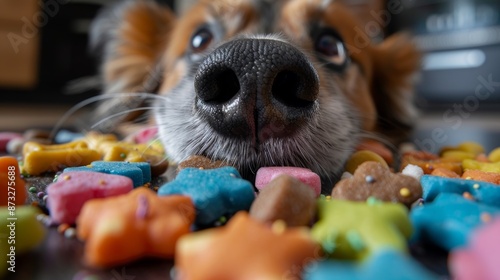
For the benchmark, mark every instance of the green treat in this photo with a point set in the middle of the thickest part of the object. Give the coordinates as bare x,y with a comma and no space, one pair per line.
356,230
19,230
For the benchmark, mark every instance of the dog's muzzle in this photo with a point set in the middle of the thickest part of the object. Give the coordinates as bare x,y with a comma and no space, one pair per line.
256,89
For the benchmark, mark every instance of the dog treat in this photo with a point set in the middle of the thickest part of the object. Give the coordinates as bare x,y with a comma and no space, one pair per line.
201,162
145,135
494,156
372,179
120,229
287,199
356,230
114,150
362,156
449,220
267,174
386,264
216,193
443,172
5,138
484,176
18,236
480,259
429,162
72,190
138,172
483,192
40,158
378,148
482,166
245,249
467,147
12,186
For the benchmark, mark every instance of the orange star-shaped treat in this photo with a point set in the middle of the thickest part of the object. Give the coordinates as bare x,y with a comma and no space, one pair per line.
120,229
245,249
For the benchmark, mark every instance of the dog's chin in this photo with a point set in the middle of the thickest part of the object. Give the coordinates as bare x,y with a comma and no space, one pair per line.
322,144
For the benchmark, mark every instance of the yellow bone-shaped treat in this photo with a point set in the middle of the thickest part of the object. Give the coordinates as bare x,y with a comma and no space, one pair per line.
43,158
457,155
468,147
35,146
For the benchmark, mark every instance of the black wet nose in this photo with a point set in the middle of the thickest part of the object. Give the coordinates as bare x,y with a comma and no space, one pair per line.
256,88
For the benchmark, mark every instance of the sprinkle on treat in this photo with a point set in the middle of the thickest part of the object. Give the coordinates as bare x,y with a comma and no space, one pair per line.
369,179
279,227
485,217
373,179
142,207
32,190
405,192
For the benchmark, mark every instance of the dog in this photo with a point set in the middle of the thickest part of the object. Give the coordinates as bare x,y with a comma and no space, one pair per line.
257,82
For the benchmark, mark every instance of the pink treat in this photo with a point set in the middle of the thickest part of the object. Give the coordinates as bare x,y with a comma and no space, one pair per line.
481,259
5,137
146,135
306,176
72,189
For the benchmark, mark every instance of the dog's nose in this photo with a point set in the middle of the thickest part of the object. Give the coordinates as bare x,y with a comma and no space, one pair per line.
256,88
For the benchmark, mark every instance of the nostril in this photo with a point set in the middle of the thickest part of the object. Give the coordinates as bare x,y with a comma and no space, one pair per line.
289,89
220,87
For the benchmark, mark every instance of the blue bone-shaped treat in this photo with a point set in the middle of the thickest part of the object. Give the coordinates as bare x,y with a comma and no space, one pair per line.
386,264
483,192
215,192
449,220
138,172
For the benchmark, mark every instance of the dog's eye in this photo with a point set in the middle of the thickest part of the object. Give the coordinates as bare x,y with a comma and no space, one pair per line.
331,47
201,40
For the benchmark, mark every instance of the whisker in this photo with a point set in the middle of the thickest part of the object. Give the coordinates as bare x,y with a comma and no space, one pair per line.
94,99
119,114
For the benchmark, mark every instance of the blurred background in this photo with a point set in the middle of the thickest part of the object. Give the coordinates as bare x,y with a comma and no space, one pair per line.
45,66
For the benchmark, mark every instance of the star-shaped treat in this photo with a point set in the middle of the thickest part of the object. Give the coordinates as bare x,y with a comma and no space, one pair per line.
483,192
245,249
355,230
386,264
120,229
138,172
449,220
216,193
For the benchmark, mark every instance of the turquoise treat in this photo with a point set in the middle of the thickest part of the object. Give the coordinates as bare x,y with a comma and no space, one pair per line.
66,136
138,172
387,265
483,192
215,192
449,220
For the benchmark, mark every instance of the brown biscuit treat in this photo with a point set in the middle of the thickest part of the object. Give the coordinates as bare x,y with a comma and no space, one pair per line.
285,198
201,162
372,179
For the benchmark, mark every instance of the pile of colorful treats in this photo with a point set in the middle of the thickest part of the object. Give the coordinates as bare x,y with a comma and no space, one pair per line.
214,225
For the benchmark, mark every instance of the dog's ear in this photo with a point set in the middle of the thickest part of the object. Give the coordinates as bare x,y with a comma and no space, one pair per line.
130,38
396,62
